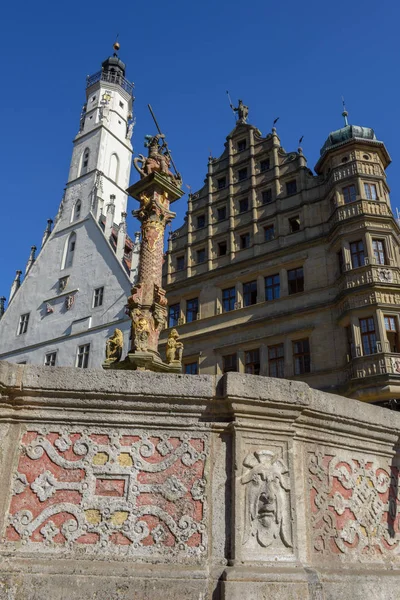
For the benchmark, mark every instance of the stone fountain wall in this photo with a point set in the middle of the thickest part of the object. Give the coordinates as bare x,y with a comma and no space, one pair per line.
133,485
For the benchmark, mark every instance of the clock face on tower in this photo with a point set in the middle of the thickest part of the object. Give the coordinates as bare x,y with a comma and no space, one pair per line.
106,97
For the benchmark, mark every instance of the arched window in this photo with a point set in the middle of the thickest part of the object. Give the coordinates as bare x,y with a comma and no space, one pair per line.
69,251
85,161
76,212
113,171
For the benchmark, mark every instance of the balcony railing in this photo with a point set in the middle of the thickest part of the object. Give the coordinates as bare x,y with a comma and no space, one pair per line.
360,300
110,77
387,363
361,207
354,168
369,274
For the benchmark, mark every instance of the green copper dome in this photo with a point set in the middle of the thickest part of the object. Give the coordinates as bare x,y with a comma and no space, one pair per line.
349,132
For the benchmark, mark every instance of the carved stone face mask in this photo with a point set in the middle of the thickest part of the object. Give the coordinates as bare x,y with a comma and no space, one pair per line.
266,506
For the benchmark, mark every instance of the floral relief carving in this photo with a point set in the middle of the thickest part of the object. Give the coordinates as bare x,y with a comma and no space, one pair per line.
354,505
267,511
125,491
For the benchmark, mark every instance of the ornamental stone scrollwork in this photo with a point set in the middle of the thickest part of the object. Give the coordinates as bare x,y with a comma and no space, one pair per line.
267,510
125,492
354,506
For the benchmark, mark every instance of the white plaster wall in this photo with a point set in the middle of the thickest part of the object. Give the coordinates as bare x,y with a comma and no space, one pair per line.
95,265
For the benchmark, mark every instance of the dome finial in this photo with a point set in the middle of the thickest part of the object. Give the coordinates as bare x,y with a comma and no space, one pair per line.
345,114
116,44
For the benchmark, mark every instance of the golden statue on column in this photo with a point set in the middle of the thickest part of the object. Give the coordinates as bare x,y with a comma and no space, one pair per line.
147,305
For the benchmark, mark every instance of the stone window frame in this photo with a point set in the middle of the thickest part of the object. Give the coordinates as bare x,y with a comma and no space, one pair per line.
242,174
223,244
301,356
180,262
294,223
252,361
193,366
276,360
222,208
23,323
295,282
192,310
266,196
229,300
291,187
244,240
83,356
50,359
268,228
265,165
98,297
241,145
371,190
174,314
230,363
243,205
273,284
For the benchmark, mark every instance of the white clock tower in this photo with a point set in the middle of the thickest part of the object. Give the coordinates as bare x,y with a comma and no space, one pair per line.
74,293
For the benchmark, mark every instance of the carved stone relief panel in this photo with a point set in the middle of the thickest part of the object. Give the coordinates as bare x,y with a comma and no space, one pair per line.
125,492
266,527
355,505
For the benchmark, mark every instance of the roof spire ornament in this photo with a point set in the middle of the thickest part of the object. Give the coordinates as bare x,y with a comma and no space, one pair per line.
116,44
345,114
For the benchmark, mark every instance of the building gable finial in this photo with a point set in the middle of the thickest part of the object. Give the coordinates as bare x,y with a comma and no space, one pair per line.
345,114
116,44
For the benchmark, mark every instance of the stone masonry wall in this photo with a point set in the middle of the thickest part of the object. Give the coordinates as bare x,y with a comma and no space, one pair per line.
118,485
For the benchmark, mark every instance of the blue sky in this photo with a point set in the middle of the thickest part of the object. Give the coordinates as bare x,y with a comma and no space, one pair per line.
292,60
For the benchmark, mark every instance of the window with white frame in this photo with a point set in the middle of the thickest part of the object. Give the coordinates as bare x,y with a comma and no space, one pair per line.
50,359
82,359
98,297
370,191
23,324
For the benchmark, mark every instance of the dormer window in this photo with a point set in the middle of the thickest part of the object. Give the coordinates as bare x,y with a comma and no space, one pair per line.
241,145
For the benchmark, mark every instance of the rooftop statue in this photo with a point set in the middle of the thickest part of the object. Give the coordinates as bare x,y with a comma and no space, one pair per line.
242,112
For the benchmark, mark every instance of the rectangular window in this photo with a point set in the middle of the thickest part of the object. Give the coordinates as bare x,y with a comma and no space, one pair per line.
244,241
222,248
98,297
50,359
269,233
378,247
272,287
252,362
368,335
229,363
242,174
276,361
349,194
191,368
296,280
301,357
174,313
228,299
192,309
221,183
266,196
391,333
221,213
370,191
241,145
82,359
23,324
243,205
201,221
294,224
250,293
291,187
264,165
180,263
201,255
357,254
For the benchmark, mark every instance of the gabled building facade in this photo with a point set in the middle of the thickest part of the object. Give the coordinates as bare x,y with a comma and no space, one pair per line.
74,293
280,272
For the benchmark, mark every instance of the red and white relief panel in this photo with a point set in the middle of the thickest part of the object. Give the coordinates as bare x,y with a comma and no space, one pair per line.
126,491
355,505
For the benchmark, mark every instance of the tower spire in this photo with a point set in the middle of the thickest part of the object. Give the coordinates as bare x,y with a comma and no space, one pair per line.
345,114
